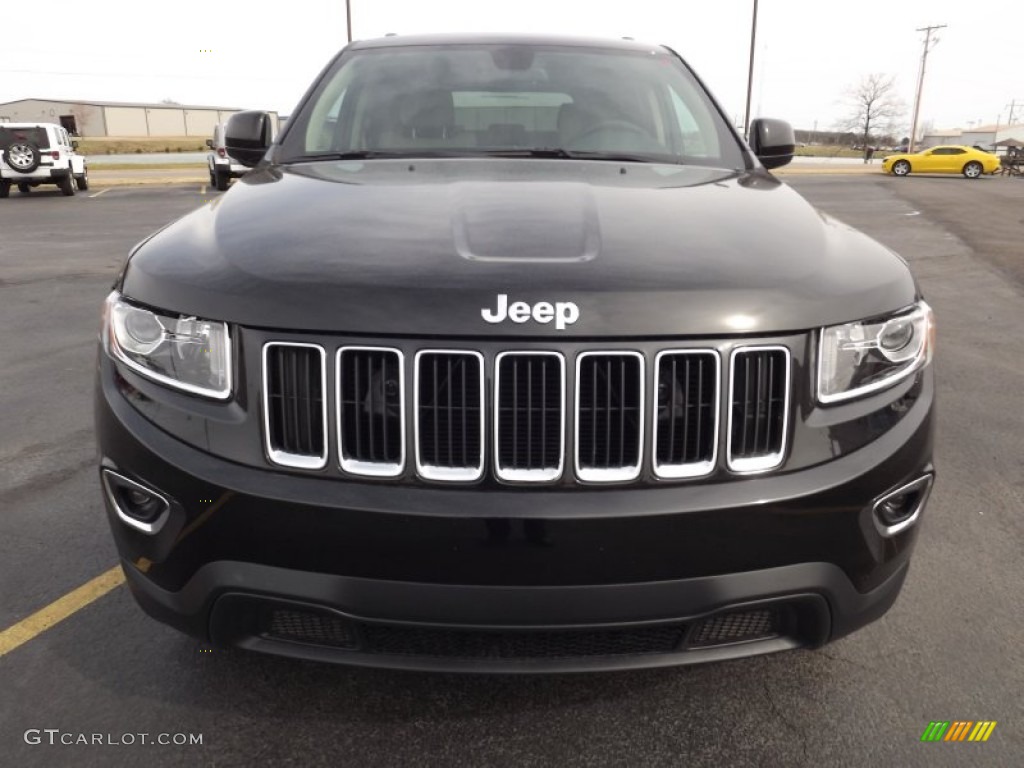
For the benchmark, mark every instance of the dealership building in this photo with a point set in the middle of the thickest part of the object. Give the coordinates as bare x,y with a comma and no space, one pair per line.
115,118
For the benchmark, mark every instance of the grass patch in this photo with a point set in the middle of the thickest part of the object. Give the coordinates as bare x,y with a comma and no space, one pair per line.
104,146
146,166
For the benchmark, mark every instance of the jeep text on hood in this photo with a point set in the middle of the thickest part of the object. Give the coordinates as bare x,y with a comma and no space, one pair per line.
509,355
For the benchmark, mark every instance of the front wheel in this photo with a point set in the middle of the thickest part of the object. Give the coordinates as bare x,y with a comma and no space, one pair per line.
973,169
83,180
901,168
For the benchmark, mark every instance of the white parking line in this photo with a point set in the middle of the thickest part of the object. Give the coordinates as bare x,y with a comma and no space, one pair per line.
101,192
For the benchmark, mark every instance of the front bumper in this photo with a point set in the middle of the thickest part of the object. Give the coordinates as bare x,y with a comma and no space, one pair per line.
450,575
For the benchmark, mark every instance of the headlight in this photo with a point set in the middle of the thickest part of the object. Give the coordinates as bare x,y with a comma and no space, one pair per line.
182,352
857,358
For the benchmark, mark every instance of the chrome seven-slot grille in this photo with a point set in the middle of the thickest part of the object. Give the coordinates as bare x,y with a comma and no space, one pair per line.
526,412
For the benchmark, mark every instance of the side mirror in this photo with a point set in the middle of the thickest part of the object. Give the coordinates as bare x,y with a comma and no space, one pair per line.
247,136
209,143
772,141
74,145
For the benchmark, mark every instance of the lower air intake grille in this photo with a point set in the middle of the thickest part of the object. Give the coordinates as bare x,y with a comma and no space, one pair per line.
529,415
371,405
307,627
759,408
609,415
294,404
736,627
467,644
449,415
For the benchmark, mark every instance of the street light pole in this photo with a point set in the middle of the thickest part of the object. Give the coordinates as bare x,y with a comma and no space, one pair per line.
920,80
750,72
348,19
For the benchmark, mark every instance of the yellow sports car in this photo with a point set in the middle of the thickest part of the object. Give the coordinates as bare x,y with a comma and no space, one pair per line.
969,161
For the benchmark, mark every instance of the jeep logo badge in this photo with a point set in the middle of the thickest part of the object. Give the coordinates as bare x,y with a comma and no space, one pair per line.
562,312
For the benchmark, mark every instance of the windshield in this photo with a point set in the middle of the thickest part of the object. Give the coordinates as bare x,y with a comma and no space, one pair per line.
511,100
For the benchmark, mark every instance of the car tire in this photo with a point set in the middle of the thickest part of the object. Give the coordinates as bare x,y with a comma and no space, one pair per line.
973,170
221,181
5,188
213,179
22,156
900,168
67,184
24,187
83,180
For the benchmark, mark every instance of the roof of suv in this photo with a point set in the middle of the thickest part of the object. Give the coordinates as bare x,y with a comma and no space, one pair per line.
29,125
395,41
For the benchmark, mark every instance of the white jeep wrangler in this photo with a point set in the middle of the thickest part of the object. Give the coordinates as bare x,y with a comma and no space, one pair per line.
39,153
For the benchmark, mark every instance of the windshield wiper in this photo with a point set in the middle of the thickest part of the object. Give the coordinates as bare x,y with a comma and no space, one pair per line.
528,152
362,154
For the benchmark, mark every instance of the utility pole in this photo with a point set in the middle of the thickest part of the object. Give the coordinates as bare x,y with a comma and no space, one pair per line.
920,80
750,73
348,19
1013,106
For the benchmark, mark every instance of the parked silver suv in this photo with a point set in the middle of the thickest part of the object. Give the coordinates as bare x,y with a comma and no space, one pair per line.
40,153
222,168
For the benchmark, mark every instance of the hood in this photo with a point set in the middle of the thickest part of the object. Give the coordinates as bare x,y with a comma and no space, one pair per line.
430,247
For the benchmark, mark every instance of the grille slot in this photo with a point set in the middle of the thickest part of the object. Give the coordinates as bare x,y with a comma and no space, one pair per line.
294,404
449,415
686,419
609,415
759,408
529,416
371,411
737,627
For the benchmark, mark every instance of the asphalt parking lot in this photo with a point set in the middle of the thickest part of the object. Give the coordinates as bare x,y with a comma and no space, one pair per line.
950,649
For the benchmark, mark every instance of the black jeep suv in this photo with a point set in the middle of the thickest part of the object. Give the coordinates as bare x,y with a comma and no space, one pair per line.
510,355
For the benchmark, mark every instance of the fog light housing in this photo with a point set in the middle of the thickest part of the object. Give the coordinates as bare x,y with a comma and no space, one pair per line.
138,506
900,508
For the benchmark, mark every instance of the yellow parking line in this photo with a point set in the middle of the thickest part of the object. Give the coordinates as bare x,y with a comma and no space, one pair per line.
59,609
100,192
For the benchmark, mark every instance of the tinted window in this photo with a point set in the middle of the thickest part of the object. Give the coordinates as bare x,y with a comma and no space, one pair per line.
476,99
36,135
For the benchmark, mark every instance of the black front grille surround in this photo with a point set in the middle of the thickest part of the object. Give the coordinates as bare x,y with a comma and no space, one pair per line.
610,416
295,404
529,416
513,421
371,417
449,422
759,397
686,412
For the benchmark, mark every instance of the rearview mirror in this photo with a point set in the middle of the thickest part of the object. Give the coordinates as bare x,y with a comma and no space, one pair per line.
772,141
247,136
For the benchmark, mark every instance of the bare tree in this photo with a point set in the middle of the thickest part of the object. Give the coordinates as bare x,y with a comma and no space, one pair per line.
873,102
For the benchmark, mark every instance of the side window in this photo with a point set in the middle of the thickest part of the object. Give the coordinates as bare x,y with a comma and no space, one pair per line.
957,152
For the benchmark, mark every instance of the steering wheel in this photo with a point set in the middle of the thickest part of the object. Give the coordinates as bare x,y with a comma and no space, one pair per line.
609,126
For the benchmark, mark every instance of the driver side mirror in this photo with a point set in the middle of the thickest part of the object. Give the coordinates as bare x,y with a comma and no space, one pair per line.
247,136
772,141
209,143
74,145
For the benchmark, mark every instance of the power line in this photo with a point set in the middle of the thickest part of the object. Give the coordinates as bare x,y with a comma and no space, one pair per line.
920,80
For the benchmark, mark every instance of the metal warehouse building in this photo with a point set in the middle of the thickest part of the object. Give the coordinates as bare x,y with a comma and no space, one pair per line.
115,118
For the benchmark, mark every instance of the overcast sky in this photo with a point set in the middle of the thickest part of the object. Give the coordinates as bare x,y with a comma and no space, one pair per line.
808,51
